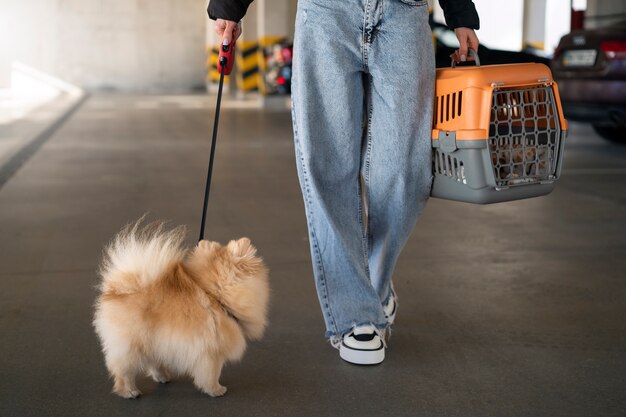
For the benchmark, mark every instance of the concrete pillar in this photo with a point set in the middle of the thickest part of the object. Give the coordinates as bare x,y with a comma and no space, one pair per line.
534,24
273,18
292,8
250,23
601,13
545,22
558,20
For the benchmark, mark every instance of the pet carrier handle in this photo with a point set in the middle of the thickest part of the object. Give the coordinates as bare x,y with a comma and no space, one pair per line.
474,55
225,66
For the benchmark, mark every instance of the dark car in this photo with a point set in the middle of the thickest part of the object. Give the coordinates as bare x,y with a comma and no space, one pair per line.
590,69
446,43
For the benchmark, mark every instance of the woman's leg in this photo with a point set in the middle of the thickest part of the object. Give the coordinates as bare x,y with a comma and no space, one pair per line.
327,98
397,162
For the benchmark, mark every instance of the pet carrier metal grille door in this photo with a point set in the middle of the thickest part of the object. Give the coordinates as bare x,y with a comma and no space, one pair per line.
498,133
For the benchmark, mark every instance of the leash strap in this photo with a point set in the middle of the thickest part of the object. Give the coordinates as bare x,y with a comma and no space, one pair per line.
224,66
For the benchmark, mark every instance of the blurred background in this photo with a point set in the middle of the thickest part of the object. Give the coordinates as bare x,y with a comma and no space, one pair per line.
170,46
131,45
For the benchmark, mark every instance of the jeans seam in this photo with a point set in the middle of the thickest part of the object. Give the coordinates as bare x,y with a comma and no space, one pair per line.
361,224
318,261
364,41
368,154
379,25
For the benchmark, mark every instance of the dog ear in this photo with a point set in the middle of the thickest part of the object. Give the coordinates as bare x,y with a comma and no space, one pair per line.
207,246
241,248
244,257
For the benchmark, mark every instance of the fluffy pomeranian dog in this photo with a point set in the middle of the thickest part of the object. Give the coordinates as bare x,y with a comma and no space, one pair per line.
165,311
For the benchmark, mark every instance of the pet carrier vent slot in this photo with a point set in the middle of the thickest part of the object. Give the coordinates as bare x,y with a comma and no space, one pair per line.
449,166
441,110
524,135
453,105
447,107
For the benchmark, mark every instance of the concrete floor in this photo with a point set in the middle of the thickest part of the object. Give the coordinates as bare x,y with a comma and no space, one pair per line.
516,309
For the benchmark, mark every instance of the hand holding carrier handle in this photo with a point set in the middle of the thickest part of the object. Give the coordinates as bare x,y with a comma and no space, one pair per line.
474,55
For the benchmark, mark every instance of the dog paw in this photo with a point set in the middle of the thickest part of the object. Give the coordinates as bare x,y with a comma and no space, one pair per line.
216,391
129,394
161,378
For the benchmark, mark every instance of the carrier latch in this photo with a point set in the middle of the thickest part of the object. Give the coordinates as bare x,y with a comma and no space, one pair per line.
447,141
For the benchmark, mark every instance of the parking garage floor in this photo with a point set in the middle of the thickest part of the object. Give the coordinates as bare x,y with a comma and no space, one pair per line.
514,309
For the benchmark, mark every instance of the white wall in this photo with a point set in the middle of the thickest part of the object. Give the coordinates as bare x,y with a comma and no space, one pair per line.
534,22
5,63
273,18
129,45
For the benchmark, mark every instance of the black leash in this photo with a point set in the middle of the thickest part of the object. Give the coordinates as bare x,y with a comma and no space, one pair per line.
225,64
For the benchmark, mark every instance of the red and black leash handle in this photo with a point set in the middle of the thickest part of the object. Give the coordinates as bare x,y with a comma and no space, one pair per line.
224,66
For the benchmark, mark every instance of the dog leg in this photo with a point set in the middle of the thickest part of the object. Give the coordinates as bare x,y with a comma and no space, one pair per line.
123,364
159,374
125,385
206,376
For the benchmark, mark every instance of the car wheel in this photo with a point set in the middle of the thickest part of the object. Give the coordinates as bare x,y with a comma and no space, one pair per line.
616,134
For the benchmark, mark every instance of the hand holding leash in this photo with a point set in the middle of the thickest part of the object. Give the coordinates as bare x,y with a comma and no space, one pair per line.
227,30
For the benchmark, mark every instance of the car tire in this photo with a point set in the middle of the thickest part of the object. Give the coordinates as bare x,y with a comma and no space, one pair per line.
615,134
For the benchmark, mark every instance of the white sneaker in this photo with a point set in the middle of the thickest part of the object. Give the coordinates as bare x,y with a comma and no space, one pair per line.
362,346
391,307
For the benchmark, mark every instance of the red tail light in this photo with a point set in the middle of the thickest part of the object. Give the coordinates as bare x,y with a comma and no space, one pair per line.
614,49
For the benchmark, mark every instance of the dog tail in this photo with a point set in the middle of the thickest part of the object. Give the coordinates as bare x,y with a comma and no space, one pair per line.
138,256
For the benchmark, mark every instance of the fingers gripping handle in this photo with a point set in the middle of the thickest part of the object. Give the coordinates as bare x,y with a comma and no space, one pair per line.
473,54
226,59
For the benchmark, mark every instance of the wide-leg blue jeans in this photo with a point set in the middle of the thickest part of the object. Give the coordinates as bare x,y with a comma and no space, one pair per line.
362,97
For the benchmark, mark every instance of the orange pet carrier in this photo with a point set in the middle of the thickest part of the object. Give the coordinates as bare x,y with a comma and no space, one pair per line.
498,133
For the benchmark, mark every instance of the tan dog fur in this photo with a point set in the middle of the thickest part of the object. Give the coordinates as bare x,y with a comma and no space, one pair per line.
166,311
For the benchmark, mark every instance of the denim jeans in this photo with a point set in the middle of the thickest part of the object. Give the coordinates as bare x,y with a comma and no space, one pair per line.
362,97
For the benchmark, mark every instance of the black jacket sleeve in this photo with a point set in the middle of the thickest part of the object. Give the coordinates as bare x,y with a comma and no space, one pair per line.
228,9
459,13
